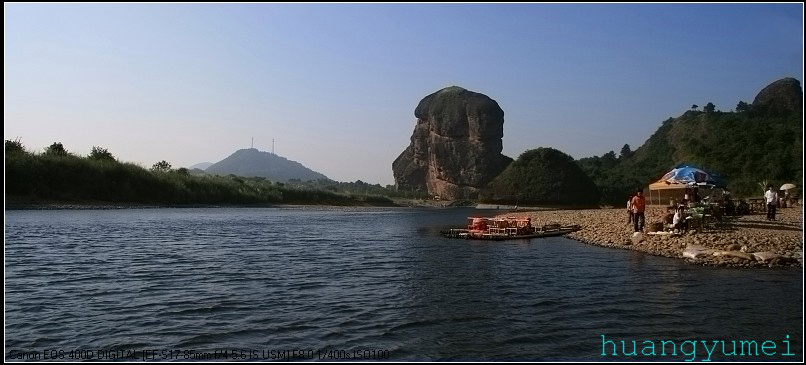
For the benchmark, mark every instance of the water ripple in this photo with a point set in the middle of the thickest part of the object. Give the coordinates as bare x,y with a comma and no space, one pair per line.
325,279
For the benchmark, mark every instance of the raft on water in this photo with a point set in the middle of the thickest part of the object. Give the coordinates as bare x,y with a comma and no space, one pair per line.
509,228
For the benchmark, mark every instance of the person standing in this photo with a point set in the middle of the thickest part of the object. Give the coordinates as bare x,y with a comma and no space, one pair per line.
771,197
629,210
785,202
638,207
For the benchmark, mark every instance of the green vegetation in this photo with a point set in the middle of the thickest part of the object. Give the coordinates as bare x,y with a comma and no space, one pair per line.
542,176
56,149
59,176
14,146
99,153
744,147
357,189
162,166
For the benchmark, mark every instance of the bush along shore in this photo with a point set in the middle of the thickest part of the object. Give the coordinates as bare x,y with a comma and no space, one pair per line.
743,241
57,178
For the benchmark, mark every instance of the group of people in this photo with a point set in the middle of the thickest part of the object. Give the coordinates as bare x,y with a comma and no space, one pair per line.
678,220
636,208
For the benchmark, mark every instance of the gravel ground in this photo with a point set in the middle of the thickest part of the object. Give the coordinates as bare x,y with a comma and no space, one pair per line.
746,241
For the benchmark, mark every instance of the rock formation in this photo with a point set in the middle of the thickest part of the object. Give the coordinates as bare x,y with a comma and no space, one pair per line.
782,96
456,146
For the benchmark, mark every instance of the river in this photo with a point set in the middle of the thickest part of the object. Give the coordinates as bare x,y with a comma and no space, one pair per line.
305,283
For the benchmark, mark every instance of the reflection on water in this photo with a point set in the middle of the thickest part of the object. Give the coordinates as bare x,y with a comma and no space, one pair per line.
323,279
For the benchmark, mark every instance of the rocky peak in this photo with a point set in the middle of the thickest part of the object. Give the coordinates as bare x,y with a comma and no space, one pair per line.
784,95
456,146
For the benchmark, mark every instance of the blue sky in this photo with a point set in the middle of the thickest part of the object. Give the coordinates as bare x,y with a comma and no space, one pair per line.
336,84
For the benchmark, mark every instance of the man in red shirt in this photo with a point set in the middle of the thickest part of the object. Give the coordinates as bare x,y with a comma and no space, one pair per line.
638,207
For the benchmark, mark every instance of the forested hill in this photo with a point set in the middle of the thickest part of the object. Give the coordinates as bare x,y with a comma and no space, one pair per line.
757,142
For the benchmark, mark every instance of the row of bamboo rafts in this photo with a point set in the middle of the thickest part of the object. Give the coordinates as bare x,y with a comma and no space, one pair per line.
506,228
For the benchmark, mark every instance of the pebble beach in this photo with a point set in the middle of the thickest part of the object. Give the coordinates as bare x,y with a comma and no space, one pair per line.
742,241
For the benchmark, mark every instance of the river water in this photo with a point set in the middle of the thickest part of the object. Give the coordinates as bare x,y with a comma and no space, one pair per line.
308,283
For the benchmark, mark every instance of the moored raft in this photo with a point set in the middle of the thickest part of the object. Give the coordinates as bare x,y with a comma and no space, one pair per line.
509,228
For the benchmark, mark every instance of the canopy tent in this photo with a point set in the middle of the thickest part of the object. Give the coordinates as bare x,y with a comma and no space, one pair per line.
673,183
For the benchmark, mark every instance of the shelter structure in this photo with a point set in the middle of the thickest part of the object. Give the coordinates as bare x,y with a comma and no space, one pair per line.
673,184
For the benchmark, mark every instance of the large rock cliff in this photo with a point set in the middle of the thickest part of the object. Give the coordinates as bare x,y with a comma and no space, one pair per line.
456,146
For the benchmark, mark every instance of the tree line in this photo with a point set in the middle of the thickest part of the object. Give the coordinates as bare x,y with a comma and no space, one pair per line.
56,175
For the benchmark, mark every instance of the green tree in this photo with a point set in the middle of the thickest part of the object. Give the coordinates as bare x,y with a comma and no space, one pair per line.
709,108
694,106
609,160
56,149
14,146
625,151
99,153
742,106
162,166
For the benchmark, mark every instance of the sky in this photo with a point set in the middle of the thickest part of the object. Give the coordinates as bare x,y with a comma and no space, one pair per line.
335,85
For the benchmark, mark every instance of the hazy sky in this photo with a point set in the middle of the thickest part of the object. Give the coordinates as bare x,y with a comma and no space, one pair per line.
336,84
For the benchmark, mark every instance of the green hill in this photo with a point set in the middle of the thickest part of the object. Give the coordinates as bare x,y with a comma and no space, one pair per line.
758,142
542,176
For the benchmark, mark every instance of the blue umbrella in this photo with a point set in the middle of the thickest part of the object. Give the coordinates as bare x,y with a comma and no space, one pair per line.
685,174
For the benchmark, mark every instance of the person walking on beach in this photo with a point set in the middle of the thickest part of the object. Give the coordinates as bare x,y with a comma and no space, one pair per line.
638,207
772,202
629,209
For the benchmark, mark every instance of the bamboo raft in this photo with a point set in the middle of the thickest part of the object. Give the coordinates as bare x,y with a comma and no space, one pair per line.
510,228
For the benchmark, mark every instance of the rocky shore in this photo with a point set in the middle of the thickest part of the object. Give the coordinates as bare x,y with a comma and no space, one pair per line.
745,241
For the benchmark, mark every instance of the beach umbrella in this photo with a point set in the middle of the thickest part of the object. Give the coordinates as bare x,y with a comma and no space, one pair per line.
690,175
787,186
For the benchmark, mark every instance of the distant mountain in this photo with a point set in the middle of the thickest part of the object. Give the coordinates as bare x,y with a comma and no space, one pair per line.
201,166
197,172
251,162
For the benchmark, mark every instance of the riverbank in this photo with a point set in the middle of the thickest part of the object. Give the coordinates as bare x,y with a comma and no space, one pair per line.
746,241
95,205
431,203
